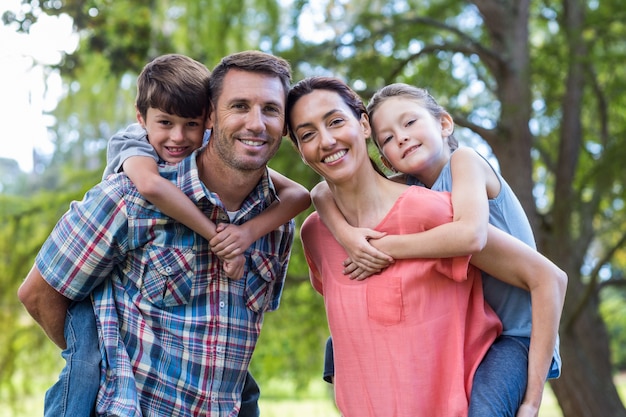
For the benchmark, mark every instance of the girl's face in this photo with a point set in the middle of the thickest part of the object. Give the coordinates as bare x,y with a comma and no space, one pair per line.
410,137
331,140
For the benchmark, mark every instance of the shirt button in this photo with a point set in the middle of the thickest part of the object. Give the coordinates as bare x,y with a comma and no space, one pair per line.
168,269
222,304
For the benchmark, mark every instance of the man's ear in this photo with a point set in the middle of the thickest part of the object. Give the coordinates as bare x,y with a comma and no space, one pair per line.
209,123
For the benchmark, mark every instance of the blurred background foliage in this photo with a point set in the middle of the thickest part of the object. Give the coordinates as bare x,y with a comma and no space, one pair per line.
537,87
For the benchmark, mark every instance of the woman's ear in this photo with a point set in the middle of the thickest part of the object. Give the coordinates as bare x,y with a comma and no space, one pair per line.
365,124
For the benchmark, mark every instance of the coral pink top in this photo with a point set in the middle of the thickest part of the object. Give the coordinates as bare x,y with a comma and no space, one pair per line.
407,341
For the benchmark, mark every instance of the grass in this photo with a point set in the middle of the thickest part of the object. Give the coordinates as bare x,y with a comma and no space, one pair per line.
317,402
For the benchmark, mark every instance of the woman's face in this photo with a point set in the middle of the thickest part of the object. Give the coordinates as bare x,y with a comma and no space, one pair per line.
331,140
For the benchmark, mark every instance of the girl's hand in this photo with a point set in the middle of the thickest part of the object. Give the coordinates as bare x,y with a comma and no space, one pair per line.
363,258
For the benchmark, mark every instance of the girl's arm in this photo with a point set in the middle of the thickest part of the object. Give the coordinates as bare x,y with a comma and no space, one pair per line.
365,258
294,199
512,261
144,173
467,233
367,249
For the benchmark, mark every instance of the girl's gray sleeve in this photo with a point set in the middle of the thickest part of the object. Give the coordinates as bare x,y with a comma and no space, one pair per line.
126,143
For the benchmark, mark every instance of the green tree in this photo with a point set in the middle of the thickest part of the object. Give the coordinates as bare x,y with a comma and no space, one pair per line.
539,82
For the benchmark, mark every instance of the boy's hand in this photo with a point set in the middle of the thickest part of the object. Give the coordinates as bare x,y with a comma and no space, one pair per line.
363,258
231,240
234,266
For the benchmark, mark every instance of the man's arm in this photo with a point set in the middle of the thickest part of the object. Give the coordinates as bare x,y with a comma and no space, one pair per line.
47,306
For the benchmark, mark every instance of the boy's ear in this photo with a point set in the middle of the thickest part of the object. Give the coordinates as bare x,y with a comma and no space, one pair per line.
140,119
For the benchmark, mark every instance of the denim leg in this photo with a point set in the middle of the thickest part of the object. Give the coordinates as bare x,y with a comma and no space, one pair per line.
74,394
501,378
250,398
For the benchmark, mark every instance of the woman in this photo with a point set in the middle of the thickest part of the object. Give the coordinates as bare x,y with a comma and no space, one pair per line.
407,341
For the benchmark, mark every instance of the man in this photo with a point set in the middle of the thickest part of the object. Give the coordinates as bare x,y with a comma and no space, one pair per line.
176,334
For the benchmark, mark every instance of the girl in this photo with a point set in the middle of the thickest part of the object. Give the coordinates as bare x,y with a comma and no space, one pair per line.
388,362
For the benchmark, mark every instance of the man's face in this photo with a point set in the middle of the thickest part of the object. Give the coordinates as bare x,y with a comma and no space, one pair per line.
248,121
173,137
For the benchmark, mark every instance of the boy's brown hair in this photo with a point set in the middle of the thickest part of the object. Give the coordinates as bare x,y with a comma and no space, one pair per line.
175,84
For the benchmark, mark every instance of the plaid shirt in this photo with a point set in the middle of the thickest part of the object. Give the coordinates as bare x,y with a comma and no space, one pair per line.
176,335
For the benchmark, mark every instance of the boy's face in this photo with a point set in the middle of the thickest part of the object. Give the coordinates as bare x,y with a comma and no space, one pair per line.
173,137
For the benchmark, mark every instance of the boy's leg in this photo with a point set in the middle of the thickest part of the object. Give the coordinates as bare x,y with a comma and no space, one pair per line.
250,398
74,394
501,378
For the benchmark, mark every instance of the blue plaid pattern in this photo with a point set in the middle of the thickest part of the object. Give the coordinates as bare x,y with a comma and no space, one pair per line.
176,335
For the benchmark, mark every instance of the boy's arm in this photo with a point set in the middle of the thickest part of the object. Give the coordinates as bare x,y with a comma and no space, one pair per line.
47,306
355,240
294,199
144,173
512,261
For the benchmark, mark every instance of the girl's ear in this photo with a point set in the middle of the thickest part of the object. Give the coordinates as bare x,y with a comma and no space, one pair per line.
447,125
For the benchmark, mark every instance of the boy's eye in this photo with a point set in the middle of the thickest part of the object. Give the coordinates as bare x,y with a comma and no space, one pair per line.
164,122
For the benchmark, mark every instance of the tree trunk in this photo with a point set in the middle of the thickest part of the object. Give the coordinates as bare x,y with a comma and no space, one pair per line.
586,387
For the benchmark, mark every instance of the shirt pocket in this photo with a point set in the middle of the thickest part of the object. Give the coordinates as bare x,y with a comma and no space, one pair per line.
263,282
168,276
384,300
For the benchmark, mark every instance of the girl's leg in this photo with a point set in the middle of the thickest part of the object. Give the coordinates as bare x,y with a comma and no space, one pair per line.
501,378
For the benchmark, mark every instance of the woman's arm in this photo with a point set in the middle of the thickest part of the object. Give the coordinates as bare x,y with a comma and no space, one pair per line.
515,263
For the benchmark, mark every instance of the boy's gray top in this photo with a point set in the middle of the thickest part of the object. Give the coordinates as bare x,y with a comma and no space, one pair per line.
132,141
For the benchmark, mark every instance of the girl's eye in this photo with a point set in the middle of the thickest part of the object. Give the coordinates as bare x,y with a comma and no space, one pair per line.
410,122
387,139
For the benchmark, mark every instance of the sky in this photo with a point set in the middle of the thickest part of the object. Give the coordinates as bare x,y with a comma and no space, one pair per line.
25,92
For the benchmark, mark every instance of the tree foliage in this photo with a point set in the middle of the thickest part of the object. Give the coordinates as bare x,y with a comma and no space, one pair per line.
538,85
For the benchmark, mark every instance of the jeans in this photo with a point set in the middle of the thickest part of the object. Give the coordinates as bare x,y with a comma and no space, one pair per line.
501,378
74,394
